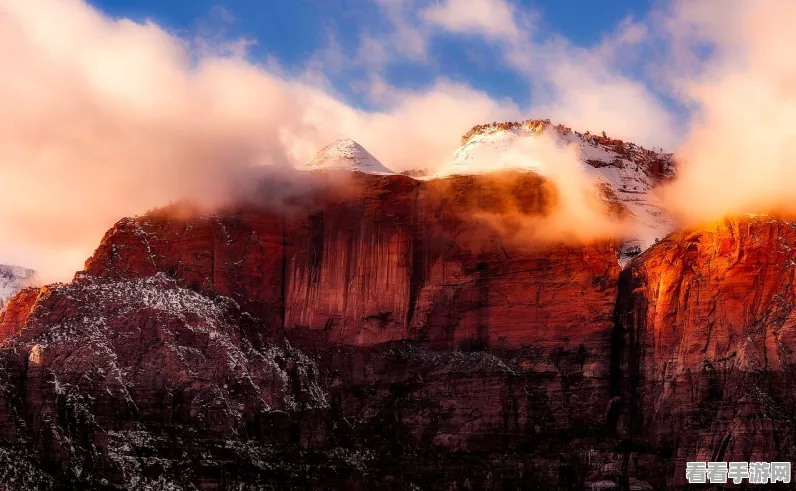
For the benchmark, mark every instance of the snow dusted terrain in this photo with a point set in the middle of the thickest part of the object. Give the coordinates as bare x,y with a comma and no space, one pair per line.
13,279
346,154
623,170
99,365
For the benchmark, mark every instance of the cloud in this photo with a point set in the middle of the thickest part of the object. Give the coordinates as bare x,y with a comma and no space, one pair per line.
212,38
585,87
107,118
403,39
494,20
741,146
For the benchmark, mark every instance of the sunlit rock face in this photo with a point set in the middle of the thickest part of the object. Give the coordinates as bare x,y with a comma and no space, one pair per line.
390,259
707,318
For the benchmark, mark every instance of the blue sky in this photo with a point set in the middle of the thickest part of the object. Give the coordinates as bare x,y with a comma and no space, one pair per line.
297,32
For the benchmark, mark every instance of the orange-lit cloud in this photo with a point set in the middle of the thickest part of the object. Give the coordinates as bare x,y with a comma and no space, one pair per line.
578,214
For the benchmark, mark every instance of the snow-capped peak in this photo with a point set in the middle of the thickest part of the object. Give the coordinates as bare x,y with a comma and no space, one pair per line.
13,279
346,154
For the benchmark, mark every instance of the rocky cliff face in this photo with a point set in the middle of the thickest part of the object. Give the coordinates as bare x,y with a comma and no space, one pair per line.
707,321
377,335
389,259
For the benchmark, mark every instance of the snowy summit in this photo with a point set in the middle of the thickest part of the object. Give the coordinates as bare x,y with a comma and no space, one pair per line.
346,154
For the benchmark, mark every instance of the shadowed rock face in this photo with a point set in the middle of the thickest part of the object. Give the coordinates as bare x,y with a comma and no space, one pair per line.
378,336
117,379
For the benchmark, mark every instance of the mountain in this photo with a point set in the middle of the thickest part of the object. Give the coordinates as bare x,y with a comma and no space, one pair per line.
345,154
627,173
12,280
374,334
364,343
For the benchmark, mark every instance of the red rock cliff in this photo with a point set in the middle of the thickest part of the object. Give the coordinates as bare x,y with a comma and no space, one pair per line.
378,336
432,338
390,259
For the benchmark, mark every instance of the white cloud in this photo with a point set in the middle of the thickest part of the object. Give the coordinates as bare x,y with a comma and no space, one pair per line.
494,20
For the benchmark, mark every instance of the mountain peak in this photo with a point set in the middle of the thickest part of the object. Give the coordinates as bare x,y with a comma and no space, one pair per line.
345,154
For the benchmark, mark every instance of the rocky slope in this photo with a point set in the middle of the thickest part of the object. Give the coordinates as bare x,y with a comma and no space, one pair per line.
140,382
377,335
